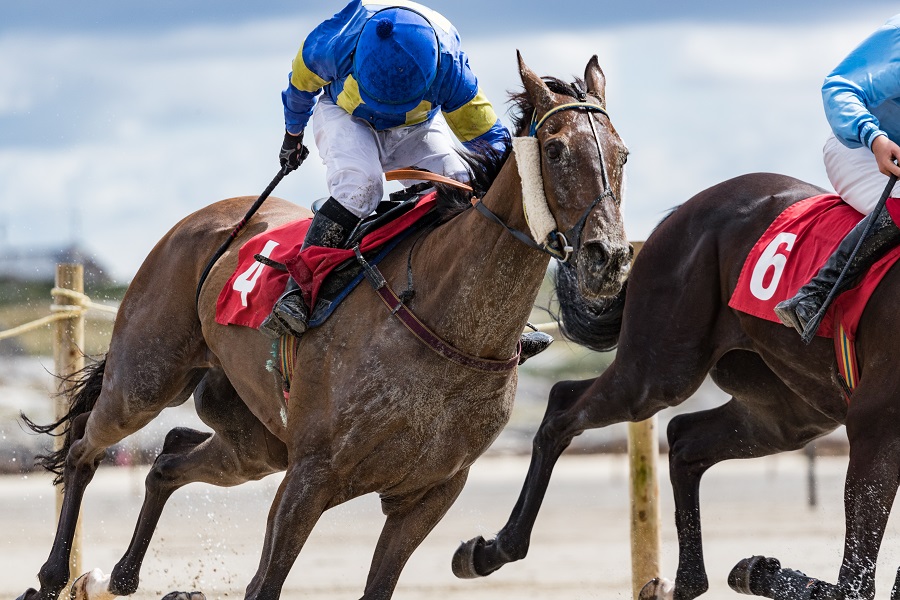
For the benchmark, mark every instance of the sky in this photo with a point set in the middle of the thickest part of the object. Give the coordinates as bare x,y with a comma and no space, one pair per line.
118,119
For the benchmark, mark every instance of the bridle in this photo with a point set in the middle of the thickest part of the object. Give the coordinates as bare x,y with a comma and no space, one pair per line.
557,243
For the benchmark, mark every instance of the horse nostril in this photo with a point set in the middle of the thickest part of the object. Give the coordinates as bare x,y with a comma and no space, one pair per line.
599,258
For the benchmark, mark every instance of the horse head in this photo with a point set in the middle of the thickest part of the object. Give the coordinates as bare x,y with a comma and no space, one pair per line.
582,161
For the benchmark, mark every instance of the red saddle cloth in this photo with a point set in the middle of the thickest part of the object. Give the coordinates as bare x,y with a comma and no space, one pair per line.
791,252
250,293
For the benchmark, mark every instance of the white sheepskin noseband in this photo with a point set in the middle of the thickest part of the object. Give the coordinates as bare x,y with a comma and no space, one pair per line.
537,214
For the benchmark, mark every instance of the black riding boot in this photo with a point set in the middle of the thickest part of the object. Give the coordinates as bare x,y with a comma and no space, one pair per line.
533,343
331,227
797,312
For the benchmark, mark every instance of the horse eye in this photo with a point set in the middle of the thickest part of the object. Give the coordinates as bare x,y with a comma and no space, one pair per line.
554,151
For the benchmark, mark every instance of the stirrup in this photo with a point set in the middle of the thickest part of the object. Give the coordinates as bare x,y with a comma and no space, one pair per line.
273,327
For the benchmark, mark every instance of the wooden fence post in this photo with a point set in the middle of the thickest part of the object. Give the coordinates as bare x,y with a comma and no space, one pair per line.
643,458
68,347
643,453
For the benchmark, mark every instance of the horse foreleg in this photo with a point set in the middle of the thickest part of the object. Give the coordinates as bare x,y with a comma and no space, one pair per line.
869,492
871,485
306,491
479,558
620,394
409,520
737,429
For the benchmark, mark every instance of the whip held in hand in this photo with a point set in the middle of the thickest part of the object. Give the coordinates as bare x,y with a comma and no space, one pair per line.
234,232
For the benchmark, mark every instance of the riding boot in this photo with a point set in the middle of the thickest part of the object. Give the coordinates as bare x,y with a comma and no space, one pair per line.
797,312
533,343
330,228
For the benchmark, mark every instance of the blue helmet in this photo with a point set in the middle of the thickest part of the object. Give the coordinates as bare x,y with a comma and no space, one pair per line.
396,60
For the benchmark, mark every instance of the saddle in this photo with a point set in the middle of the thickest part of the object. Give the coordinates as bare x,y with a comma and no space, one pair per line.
790,253
265,260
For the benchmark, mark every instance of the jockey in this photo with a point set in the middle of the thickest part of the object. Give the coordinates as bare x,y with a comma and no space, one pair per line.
372,79
386,70
862,105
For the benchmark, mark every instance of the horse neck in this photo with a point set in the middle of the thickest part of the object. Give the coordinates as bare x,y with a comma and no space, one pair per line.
484,279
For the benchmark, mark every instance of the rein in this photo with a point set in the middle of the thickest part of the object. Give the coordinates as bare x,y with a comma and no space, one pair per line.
557,243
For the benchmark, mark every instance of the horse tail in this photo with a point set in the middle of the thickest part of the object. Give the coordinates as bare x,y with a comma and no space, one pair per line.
82,389
595,324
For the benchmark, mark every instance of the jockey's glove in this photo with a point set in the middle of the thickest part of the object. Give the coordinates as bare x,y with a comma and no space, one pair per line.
293,152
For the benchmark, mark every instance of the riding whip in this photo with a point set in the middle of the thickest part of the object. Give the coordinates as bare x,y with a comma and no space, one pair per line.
812,326
234,232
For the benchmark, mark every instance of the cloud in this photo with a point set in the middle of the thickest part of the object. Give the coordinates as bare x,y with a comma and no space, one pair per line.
128,133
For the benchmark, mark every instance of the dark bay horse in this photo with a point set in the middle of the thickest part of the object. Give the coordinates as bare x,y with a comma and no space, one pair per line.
371,408
673,326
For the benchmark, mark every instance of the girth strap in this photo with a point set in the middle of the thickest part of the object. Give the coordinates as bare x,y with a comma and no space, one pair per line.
423,333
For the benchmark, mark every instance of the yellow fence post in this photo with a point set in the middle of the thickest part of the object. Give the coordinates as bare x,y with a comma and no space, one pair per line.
68,358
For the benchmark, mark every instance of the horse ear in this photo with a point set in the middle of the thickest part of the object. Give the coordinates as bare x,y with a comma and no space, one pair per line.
537,90
595,79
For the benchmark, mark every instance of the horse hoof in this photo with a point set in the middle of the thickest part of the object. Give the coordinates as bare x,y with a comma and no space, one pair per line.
195,595
753,576
93,585
30,594
658,588
463,563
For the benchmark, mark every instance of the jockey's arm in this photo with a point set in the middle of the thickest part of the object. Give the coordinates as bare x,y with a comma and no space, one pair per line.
299,98
867,77
476,125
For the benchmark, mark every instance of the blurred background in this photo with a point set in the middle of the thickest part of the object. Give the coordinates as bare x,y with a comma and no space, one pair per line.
118,119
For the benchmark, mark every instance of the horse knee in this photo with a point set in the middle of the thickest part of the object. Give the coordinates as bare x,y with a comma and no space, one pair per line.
559,426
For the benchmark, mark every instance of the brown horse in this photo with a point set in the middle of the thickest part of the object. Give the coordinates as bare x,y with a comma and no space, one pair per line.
673,326
371,408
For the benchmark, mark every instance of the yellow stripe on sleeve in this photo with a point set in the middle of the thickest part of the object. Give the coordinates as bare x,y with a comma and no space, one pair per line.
302,76
419,114
472,119
349,98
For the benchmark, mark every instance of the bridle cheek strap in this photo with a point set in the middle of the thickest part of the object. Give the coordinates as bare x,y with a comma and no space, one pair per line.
534,201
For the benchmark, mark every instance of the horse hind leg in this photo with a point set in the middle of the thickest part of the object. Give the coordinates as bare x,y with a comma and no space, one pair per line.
238,452
103,419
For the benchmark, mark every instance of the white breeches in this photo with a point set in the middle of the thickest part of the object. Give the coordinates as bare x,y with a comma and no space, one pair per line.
356,156
855,175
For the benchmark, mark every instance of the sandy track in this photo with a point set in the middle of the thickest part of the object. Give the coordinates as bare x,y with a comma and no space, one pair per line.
210,538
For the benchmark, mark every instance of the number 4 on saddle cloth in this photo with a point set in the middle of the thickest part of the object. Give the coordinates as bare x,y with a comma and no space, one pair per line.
790,253
252,290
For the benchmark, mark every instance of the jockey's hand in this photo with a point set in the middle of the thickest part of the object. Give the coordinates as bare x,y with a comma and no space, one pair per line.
293,152
887,153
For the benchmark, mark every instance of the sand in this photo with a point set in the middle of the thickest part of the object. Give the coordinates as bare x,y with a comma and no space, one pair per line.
210,538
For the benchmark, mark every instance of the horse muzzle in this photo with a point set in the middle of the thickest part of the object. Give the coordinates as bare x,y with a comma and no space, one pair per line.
602,268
